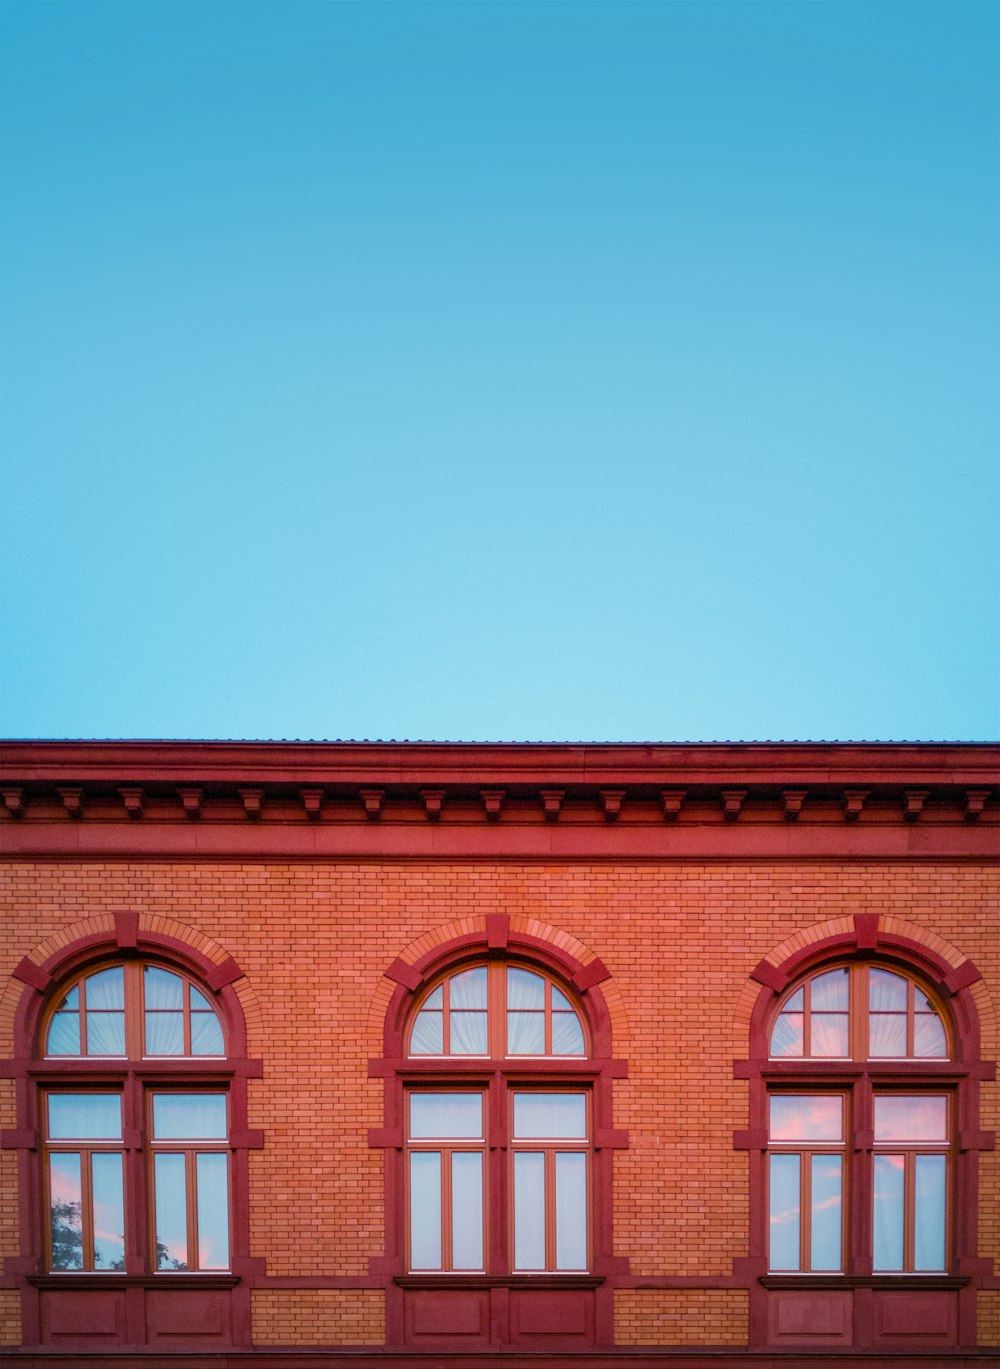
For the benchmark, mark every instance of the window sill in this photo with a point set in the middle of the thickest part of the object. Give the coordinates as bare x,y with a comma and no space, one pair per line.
445,1280
82,1279
909,1281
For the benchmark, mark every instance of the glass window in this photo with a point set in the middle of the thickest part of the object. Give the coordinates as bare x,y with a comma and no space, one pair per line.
529,1142
172,1178
497,1009
873,1128
806,1181
858,1012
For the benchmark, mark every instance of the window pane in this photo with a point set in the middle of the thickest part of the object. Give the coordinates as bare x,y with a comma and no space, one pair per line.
213,1211
105,1033
85,1116
106,989
171,1211
467,1210
164,1033
786,1038
526,1033
529,1210
468,1033
109,1212
887,992
888,1174
796,1003
71,1002
206,1034
828,992
64,1034
468,989
162,989
66,1211
189,1116
816,1117
435,999
555,1116
784,1211
199,1003
887,1035
428,1034
560,1003
929,1217
826,1212
455,1116
928,1036
571,1210
525,990
425,1209
924,1118
828,1034
567,1034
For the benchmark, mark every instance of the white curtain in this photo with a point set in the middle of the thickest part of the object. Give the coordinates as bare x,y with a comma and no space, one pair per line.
162,989
106,989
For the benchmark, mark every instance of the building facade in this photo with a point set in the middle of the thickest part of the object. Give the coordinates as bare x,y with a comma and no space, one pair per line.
350,1053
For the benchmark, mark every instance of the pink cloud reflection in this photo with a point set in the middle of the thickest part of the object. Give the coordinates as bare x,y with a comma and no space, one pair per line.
797,1117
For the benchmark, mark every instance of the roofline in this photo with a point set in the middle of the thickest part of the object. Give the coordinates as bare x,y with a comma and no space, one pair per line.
362,762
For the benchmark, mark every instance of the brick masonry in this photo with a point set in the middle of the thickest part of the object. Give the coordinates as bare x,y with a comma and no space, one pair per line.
679,940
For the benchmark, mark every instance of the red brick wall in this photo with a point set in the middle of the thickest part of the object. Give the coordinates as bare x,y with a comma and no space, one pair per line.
679,941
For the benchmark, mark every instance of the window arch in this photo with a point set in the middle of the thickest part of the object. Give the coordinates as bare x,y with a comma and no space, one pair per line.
132,1010
864,1094
497,1009
859,1011
504,1011
138,1097
498,1140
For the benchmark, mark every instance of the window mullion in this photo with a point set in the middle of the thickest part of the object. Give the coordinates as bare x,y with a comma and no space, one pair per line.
909,1209
447,1218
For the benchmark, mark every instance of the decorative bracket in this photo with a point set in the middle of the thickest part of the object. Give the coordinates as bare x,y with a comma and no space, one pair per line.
913,802
793,799
732,803
493,802
312,802
670,802
854,801
433,802
612,800
72,801
372,800
132,797
975,802
13,801
190,801
252,800
552,800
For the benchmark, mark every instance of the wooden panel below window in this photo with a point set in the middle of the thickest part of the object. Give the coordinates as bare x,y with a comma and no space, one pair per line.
918,1316
84,1317
812,1317
448,1317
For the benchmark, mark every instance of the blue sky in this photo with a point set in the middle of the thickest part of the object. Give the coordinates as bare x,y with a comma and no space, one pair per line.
500,370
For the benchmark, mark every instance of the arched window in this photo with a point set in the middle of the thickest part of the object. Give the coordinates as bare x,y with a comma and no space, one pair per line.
861,1133
499,1144
504,1012
136,1127
497,1010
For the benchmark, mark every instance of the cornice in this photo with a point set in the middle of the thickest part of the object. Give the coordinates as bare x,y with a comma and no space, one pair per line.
488,765
236,800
